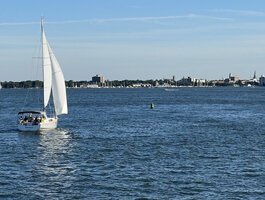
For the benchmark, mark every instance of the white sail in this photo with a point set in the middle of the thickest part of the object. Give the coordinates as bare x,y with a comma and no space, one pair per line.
58,86
46,65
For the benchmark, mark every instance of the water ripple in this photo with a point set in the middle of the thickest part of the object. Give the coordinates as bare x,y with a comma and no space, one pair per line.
196,144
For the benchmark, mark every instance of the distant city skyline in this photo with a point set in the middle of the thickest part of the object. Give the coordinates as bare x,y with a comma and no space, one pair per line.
140,39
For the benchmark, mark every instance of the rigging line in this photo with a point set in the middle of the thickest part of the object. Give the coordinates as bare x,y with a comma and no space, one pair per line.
38,73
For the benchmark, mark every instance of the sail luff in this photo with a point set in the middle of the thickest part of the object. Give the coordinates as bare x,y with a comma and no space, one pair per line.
46,67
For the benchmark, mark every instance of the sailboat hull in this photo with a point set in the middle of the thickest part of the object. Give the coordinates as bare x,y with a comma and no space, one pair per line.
28,127
49,123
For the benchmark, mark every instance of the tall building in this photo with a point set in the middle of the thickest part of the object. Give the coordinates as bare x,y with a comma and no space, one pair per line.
262,81
98,79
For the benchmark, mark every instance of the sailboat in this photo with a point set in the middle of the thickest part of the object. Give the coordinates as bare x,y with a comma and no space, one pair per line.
53,82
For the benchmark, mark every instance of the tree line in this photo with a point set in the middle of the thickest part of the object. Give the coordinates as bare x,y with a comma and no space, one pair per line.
71,83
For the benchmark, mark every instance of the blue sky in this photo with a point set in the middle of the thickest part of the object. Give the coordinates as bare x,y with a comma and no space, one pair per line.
136,39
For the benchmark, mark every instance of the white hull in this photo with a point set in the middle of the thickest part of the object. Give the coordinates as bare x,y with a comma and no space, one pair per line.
28,127
49,123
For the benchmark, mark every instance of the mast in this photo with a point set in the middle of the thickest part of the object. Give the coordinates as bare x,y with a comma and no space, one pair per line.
42,63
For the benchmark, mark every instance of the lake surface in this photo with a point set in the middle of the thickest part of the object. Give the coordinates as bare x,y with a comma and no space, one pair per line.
197,143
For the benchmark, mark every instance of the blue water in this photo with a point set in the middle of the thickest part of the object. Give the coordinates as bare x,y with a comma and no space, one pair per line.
197,143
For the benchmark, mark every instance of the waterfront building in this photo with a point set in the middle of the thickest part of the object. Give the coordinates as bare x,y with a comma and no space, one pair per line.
262,81
254,80
192,82
232,79
186,81
92,86
200,82
98,79
138,85
217,83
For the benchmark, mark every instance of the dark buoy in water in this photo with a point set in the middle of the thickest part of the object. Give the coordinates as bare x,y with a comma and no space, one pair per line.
152,106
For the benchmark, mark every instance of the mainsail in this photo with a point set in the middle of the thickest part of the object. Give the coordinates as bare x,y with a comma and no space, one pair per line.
46,65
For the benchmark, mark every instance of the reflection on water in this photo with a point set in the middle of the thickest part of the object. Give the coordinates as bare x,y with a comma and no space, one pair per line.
51,161
54,163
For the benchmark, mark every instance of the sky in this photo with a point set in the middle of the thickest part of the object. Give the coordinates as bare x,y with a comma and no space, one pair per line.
134,39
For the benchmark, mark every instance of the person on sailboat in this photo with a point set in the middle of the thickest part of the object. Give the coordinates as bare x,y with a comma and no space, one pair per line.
25,119
30,117
36,121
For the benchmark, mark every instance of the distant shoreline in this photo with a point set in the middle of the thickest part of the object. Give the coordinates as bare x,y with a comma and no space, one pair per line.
164,88
158,83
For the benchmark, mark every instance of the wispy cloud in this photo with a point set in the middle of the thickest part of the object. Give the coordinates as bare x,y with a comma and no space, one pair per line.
241,12
188,16
17,23
125,19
